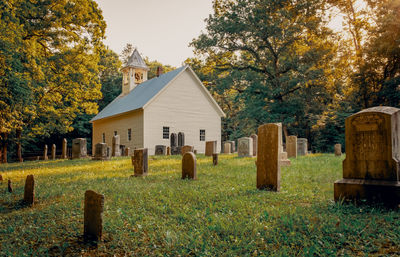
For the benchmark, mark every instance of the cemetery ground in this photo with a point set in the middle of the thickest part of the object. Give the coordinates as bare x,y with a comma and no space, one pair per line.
220,213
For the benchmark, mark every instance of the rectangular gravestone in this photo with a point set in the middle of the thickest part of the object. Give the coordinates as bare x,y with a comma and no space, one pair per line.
45,153
160,150
245,147
29,192
268,159
227,147
189,169
64,149
338,150
79,148
371,168
115,147
187,148
211,147
255,141
168,150
291,146
93,216
140,162
100,152
233,145
215,159
127,151
302,146
53,152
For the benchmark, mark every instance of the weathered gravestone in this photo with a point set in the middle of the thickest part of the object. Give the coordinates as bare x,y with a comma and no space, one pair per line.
181,139
127,151
29,192
45,153
9,186
338,150
371,168
245,147
187,148
211,147
64,149
291,146
255,141
227,147
53,152
302,146
79,148
93,216
100,152
140,162
284,159
168,150
189,166
215,159
116,150
268,159
160,150
233,146
174,144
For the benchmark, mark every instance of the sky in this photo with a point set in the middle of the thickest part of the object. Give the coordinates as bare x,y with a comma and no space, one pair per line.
160,29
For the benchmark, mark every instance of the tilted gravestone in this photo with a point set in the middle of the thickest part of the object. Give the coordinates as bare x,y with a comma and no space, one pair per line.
93,216
53,152
268,159
181,139
116,150
79,148
215,159
64,149
302,146
160,150
100,152
140,162
189,166
211,147
371,169
9,186
29,192
227,147
255,141
45,153
338,150
245,147
291,146
187,148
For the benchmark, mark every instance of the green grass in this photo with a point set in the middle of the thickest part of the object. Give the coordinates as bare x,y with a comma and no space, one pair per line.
222,213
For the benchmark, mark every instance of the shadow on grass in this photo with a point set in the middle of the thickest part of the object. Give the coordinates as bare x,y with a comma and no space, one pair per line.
76,246
7,207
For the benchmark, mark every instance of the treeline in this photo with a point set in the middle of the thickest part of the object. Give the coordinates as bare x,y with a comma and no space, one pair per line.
280,61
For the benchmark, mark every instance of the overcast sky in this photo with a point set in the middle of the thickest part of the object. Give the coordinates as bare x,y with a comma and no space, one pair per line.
160,29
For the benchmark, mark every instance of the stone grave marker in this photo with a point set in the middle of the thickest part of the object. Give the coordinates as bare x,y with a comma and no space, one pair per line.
302,146
181,139
9,187
233,147
53,152
29,192
338,150
291,146
93,216
255,141
211,147
116,150
140,162
227,147
64,149
268,159
245,147
284,159
175,149
186,148
168,150
127,151
45,153
100,152
189,166
371,168
215,159
79,148
160,150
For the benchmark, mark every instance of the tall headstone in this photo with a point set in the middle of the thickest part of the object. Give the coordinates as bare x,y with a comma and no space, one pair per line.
215,159
291,146
29,192
127,151
9,186
168,150
186,148
338,150
211,147
140,162
116,151
371,169
100,152
45,153
255,141
181,139
64,149
227,147
189,166
79,148
53,152
173,140
245,147
268,159
160,150
302,146
93,216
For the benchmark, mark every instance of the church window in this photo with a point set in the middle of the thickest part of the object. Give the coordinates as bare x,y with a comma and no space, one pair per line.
129,134
104,137
202,135
165,132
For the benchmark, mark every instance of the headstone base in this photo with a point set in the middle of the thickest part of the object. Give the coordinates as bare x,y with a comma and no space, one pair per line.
373,191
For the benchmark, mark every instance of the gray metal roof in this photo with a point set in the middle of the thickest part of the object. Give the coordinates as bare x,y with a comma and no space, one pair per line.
139,96
136,61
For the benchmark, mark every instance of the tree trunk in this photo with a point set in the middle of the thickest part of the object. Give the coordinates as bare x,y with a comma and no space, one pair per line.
4,150
19,147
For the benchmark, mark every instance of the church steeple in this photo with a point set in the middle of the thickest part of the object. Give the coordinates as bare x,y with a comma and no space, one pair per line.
134,72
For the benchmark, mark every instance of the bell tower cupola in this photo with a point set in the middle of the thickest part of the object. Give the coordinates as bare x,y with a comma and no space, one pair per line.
134,72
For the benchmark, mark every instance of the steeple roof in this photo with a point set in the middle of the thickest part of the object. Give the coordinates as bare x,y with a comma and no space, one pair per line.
136,61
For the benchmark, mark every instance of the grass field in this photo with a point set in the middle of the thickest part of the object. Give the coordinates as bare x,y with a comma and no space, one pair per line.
220,214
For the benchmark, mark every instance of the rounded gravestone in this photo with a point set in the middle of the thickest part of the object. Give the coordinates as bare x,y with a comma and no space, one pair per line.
189,169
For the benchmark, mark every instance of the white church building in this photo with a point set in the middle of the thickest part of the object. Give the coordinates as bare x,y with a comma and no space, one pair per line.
148,111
